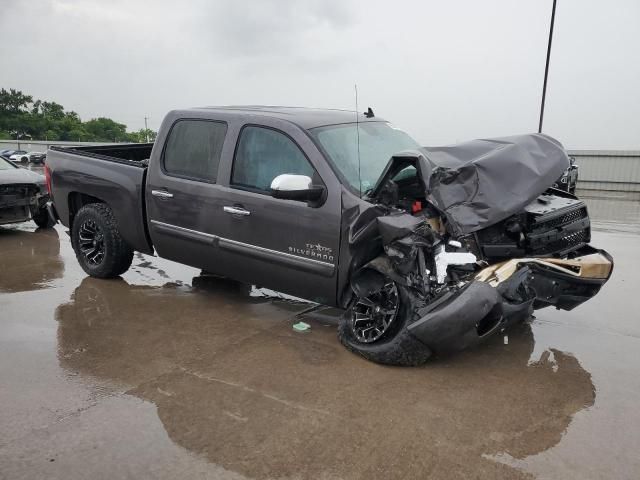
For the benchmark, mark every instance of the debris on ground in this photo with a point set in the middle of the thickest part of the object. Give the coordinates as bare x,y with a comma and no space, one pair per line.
301,327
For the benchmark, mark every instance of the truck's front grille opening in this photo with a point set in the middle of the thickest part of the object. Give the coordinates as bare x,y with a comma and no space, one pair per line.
565,244
554,226
561,234
564,219
21,190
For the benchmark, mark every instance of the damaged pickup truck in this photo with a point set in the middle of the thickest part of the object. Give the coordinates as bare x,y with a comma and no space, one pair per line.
427,250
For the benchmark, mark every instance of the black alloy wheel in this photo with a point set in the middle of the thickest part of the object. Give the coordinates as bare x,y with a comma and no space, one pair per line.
91,242
372,316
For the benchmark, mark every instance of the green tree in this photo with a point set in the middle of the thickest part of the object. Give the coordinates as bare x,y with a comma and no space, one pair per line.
50,110
43,120
106,130
143,135
14,101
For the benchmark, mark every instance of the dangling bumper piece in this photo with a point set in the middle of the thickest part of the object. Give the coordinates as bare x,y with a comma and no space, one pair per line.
509,292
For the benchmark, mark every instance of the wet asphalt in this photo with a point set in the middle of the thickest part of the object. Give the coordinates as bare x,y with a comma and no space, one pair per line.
168,374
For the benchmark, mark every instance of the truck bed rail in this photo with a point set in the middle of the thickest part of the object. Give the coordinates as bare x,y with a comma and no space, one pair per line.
129,154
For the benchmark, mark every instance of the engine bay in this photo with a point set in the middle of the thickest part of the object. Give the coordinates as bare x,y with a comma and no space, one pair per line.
555,224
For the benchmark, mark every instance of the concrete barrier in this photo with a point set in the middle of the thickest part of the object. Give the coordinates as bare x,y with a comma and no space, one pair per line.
609,171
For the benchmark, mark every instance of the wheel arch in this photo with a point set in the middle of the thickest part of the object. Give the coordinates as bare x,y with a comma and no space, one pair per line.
77,200
368,277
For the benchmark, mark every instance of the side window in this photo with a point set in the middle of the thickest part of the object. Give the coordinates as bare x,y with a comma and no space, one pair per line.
263,154
193,149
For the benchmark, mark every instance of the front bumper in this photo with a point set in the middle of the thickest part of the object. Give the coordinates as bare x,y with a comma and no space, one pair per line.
16,206
508,292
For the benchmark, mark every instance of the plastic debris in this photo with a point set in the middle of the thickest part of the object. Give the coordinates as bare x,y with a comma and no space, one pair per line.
301,327
506,339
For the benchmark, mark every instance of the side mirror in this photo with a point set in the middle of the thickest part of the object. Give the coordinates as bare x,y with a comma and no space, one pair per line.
296,187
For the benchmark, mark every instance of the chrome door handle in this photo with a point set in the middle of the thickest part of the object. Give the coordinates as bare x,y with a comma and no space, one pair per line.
161,194
236,211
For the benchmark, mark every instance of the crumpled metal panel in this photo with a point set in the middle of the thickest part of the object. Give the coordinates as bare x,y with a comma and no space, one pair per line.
479,183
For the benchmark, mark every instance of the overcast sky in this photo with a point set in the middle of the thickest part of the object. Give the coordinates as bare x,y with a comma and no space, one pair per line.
445,71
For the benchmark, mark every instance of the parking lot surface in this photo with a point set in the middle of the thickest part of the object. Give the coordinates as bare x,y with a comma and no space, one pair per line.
169,374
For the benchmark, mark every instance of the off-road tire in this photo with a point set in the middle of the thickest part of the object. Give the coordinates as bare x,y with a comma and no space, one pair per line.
118,255
397,346
42,218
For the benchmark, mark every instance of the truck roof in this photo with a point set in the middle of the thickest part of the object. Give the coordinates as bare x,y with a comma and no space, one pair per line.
305,118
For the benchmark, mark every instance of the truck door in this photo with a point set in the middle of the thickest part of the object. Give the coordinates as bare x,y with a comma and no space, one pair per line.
183,196
285,245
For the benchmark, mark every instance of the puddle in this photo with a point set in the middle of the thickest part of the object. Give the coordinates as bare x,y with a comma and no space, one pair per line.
170,373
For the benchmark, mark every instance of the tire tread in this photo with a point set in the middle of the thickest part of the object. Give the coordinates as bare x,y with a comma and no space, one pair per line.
118,255
403,349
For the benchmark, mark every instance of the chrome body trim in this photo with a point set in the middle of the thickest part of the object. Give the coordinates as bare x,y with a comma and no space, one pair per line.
261,253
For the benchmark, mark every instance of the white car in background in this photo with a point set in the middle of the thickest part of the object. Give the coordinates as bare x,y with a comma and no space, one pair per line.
26,157
15,153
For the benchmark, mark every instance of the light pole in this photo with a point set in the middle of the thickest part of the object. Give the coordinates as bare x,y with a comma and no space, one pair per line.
146,130
17,134
546,67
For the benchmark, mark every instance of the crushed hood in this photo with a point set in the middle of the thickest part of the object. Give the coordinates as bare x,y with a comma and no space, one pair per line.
20,175
479,183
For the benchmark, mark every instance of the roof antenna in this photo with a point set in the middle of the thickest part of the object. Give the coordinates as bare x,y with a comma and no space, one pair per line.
358,139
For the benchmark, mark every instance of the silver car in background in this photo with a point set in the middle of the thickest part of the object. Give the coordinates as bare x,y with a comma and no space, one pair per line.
23,196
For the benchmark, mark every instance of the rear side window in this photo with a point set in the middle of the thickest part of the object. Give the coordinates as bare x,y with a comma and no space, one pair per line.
263,154
193,149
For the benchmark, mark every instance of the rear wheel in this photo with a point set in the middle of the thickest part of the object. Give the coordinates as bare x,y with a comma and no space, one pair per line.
96,240
375,327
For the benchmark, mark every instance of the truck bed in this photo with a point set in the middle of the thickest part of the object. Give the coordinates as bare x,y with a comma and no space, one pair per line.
134,153
112,174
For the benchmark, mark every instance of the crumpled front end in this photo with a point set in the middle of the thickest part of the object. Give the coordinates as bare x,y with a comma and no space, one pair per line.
472,239
17,201
509,292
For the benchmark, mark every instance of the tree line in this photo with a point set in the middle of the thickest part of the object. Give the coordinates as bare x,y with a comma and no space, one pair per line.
25,119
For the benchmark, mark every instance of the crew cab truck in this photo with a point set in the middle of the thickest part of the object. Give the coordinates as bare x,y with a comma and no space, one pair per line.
427,250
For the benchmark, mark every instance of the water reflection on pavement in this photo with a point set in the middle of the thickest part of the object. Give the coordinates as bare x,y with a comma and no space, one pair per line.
166,373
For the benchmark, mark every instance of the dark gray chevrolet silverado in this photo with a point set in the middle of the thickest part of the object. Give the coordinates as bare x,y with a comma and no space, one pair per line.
427,249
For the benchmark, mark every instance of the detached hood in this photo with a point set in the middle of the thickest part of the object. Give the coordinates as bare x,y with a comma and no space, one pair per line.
479,183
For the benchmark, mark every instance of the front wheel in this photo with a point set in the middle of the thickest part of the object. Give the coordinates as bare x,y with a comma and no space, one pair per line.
96,240
375,327
42,218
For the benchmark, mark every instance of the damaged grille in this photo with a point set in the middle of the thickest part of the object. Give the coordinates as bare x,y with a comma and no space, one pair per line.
565,244
564,219
17,194
13,190
20,189
549,226
560,233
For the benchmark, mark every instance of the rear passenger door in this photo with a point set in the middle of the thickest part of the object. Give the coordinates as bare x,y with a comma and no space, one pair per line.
183,195
285,245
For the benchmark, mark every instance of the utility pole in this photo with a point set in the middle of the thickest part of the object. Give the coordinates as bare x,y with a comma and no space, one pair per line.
146,130
546,68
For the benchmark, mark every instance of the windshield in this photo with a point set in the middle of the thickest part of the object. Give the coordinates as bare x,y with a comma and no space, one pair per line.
378,142
5,165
